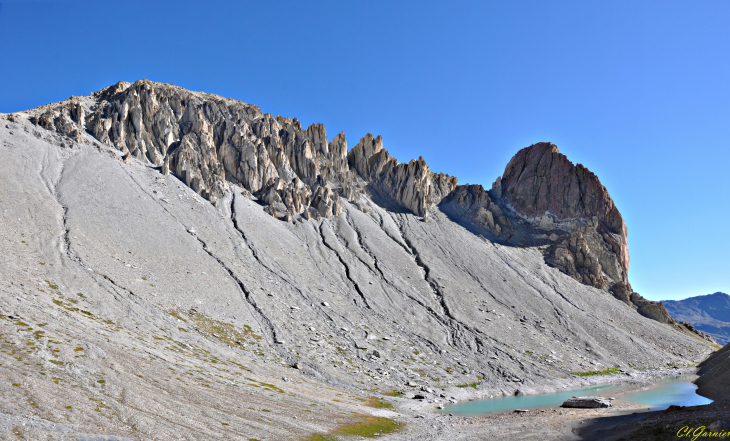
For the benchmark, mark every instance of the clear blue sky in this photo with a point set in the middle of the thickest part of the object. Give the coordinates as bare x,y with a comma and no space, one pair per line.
639,92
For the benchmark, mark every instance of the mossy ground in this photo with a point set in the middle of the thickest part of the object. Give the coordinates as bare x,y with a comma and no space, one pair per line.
368,427
378,403
609,371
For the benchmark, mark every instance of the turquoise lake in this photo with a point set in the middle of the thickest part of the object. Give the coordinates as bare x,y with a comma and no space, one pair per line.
674,390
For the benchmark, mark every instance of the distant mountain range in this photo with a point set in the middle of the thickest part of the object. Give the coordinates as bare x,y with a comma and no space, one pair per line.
709,313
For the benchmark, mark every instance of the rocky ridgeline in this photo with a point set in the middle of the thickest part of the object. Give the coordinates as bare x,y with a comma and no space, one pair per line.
211,142
412,185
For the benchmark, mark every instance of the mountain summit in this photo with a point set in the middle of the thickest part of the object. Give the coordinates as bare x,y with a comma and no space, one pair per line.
170,253
709,313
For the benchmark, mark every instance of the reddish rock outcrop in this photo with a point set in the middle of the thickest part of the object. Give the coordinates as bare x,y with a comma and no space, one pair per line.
543,186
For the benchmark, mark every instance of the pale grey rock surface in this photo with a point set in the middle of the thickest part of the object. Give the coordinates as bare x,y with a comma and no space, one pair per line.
587,402
151,302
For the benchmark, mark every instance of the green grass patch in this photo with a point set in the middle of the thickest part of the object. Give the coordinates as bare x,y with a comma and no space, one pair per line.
609,371
368,427
393,393
378,403
224,332
474,385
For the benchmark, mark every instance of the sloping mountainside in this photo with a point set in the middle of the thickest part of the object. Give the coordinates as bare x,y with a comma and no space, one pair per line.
176,265
714,381
710,314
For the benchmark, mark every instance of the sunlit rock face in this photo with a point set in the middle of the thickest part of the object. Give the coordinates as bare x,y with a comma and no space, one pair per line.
412,185
209,142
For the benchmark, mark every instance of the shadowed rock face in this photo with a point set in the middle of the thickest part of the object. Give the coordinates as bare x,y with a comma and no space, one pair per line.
714,381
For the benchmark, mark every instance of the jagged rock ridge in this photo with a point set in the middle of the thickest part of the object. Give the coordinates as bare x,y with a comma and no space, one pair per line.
211,142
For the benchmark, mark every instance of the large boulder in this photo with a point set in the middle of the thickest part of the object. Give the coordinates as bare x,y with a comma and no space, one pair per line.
587,402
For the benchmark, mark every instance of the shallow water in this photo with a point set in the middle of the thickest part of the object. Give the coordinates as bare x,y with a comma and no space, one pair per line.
675,390
500,404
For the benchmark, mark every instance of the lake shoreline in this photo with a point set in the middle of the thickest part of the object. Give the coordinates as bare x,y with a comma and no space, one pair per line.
424,419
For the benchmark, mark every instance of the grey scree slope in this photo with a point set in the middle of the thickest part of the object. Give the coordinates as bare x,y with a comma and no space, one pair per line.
132,306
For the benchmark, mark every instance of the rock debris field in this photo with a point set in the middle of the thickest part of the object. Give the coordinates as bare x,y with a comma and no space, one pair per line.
175,265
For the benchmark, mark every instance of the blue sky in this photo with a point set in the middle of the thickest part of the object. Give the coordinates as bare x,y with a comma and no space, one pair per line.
639,92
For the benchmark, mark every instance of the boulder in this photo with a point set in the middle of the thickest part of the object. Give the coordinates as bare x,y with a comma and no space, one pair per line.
587,402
